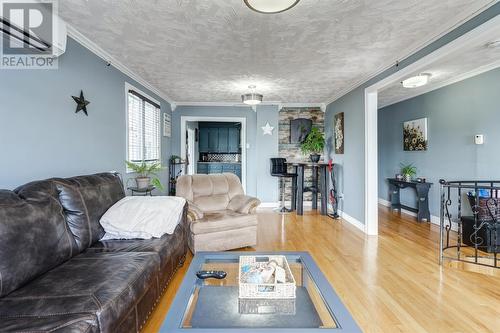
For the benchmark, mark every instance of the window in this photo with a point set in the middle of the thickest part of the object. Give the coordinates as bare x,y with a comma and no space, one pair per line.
143,128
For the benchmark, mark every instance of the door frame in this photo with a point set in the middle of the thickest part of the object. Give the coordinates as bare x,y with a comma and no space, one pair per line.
371,114
243,136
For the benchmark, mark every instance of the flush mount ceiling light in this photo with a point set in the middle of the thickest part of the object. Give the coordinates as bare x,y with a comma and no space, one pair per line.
252,98
270,6
416,81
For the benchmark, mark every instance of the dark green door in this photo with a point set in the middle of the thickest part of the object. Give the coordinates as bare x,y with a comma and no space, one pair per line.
213,140
203,140
233,140
223,140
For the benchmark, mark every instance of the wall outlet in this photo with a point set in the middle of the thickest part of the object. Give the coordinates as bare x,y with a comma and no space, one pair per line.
341,196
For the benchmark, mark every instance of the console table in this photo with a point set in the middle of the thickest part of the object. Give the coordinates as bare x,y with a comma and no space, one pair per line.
422,189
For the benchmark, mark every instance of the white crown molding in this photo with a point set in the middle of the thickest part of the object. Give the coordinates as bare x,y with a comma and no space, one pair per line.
406,54
97,50
279,104
458,78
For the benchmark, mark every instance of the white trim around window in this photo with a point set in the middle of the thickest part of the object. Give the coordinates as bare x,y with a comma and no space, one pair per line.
147,101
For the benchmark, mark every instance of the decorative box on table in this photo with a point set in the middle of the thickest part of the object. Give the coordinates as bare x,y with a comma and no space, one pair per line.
249,268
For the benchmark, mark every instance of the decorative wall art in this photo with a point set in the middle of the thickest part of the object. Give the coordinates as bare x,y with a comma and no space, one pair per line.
415,135
268,129
81,103
167,124
299,129
339,132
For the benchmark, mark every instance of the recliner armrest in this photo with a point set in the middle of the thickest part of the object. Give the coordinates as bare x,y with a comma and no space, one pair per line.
194,212
243,204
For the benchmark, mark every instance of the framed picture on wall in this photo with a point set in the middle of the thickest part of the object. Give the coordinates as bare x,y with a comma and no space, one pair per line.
299,129
415,135
338,125
167,125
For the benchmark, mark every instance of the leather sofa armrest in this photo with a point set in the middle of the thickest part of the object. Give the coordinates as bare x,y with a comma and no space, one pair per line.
243,204
194,212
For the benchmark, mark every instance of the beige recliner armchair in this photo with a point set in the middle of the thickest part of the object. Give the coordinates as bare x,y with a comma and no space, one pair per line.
221,216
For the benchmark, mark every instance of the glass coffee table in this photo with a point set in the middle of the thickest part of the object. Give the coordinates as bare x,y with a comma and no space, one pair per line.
213,305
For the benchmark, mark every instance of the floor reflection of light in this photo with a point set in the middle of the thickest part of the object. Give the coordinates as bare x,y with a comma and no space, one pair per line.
283,232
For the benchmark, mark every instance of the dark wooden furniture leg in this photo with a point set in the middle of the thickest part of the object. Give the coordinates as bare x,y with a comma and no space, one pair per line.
300,190
315,188
423,202
294,190
324,189
395,198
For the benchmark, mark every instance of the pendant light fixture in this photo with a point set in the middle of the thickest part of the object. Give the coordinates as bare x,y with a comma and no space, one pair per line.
252,98
270,6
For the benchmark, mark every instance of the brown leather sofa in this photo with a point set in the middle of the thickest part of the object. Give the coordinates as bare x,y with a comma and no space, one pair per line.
221,216
55,274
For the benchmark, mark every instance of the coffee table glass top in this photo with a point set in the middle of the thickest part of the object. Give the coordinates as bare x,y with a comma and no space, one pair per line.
214,305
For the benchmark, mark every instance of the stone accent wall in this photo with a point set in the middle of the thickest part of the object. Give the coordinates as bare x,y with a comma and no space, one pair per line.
291,151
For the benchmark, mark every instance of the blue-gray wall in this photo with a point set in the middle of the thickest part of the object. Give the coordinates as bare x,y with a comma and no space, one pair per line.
40,134
261,148
455,114
353,105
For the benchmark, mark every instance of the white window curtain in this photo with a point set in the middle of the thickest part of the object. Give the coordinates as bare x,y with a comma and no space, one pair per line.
143,129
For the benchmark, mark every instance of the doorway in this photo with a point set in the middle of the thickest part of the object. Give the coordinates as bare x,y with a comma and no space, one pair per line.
220,155
471,39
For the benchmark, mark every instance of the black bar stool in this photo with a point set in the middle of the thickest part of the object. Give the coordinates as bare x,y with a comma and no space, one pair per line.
279,169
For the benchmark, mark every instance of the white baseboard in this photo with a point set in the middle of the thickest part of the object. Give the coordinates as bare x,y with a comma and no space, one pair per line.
434,219
351,220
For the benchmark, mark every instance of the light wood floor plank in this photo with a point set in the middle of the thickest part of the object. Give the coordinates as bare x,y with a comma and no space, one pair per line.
389,283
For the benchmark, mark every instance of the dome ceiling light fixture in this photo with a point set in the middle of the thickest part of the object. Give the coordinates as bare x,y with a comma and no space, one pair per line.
270,6
416,81
252,98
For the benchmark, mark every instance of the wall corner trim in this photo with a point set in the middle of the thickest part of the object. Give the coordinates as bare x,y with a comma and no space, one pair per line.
101,53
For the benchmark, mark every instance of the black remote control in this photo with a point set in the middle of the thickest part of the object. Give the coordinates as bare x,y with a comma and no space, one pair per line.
211,274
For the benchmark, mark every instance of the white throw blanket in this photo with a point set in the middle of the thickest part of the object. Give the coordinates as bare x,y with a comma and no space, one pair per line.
142,217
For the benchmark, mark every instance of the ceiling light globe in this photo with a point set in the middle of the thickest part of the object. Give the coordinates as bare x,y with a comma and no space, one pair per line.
270,6
416,81
252,99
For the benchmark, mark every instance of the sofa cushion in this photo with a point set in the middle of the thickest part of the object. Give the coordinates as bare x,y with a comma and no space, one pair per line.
222,220
84,199
64,323
164,246
107,285
33,239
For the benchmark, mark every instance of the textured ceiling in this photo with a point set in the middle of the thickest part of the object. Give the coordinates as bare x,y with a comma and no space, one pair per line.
472,59
211,50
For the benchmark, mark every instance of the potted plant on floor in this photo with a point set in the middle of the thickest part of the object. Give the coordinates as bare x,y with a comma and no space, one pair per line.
408,171
313,144
146,174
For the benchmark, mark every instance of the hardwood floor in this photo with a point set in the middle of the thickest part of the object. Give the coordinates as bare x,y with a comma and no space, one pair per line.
389,283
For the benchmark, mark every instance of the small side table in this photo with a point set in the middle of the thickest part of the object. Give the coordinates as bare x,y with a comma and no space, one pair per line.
142,191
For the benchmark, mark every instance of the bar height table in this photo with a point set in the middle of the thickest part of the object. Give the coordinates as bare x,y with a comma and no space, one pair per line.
320,185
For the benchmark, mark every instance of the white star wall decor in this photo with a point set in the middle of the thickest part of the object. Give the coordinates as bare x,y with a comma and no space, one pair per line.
268,129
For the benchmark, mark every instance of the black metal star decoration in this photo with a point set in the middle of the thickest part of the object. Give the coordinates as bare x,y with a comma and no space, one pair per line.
81,103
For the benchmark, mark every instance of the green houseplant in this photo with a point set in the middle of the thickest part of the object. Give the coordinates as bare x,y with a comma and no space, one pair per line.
147,174
313,144
408,171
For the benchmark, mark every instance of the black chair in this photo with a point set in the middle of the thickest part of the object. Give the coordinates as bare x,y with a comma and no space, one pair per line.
279,169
